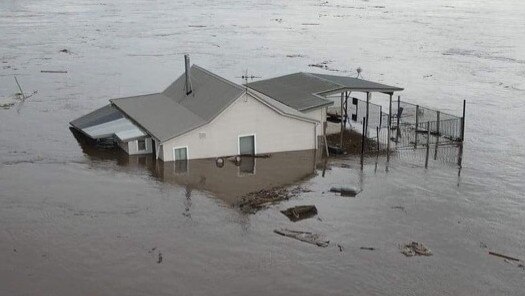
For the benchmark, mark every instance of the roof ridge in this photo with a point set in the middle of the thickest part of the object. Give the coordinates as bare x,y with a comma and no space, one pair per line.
320,78
121,98
218,77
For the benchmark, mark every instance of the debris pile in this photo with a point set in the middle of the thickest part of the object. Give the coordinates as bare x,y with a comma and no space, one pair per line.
254,201
300,212
351,141
307,237
415,248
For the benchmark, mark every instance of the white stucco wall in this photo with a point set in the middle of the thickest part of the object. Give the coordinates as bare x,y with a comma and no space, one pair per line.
273,132
319,115
131,147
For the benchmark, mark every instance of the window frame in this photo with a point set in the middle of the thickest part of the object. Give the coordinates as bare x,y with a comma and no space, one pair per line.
145,145
181,147
254,143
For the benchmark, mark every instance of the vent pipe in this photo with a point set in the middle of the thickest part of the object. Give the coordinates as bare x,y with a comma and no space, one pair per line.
187,74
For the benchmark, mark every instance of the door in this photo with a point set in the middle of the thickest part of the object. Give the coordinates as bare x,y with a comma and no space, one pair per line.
247,145
180,156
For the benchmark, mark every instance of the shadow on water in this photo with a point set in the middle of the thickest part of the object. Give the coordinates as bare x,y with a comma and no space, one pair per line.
228,181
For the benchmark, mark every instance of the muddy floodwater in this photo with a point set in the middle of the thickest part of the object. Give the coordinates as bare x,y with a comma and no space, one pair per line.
77,221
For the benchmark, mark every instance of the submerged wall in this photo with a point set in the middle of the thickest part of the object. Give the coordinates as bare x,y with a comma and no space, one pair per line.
246,116
132,148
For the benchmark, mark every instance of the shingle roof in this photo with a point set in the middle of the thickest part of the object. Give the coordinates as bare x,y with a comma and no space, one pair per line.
295,90
304,91
172,113
357,84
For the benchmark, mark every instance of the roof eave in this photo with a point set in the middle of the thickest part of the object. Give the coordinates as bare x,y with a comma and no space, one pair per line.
330,103
380,90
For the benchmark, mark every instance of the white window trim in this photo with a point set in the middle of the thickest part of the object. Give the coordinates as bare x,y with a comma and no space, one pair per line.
145,144
180,147
254,143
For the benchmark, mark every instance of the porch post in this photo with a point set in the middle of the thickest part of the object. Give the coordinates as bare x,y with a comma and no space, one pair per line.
368,95
342,123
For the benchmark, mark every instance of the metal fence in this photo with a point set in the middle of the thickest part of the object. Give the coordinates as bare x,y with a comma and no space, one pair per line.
442,126
409,126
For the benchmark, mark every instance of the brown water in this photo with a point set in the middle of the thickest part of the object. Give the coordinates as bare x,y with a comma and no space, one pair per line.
77,221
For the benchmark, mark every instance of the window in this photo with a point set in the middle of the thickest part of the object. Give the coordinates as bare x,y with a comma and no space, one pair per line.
141,144
247,145
180,153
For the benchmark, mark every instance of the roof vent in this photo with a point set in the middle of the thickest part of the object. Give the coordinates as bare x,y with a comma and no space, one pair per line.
187,74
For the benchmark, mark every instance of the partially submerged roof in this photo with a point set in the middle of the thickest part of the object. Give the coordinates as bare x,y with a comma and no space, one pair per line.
295,90
306,91
357,84
172,113
99,116
107,122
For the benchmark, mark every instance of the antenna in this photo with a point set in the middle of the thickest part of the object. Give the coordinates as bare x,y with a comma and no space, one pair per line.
247,76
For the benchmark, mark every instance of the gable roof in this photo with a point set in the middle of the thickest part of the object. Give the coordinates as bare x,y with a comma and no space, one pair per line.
172,113
306,91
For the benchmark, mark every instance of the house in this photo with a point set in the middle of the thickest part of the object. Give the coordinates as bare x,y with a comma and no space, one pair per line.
202,115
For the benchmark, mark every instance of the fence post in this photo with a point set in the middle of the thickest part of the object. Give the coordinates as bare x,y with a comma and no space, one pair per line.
389,127
438,121
436,147
388,145
380,115
463,122
398,117
377,137
367,109
428,144
342,127
363,142
390,111
417,125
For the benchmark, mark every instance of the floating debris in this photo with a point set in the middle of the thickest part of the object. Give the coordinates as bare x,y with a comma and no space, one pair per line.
53,71
415,248
307,237
159,260
295,56
334,150
503,256
7,103
368,248
340,247
64,51
345,191
322,65
310,24
197,26
399,208
300,212
254,201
